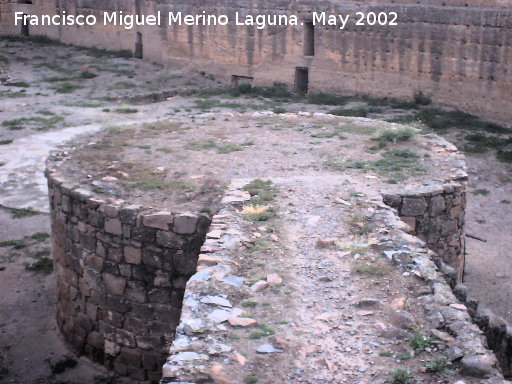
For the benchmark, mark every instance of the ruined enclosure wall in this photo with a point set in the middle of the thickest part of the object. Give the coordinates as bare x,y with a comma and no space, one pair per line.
121,273
437,217
458,53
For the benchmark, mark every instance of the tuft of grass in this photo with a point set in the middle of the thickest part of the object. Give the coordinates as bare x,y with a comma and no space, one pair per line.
229,148
5,142
419,342
250,304
279,110
24,212
438,365
386,353
401,376
16,244
395,135
126,110
421,99
481,192
371,269
43,265
19,84
355,112
40,236
265,331
66,88
252,379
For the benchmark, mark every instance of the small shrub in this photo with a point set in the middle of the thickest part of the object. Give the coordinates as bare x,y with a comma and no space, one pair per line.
251,379
421,99
401,376
420,342
395,135
437,365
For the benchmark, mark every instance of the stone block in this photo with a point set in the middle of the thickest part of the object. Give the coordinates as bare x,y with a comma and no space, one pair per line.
413,206
438,206
113,226
125,270
393,201
169,240
125,338
185,224
136,292
94,262
160,220
96,340
109,210
128,214
115,254
132,255
149,343
130,357
152,361
115,285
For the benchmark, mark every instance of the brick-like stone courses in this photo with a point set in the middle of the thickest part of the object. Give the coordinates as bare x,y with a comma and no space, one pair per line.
121,273
437,217
457,51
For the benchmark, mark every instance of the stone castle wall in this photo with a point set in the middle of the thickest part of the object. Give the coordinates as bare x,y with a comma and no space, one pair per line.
459,52
121,273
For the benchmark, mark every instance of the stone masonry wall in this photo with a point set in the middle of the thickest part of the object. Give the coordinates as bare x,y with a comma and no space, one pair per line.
437,217
458,52
121,272
436,212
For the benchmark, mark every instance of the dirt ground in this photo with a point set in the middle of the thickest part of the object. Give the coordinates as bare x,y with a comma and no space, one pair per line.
53,94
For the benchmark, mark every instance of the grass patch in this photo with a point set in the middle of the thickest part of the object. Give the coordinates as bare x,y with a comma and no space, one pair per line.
252,379
16,244
23,213
398,164
401,134
5,142
201,145
481,192
66,88
262,192
229,148
250,304
438,365
371,269
419,342
126,110
19,84
40,236
354,112
13,95
44,266
401,376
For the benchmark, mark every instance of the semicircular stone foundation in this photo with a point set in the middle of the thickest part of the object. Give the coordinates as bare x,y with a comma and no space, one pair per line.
121,274
122,269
